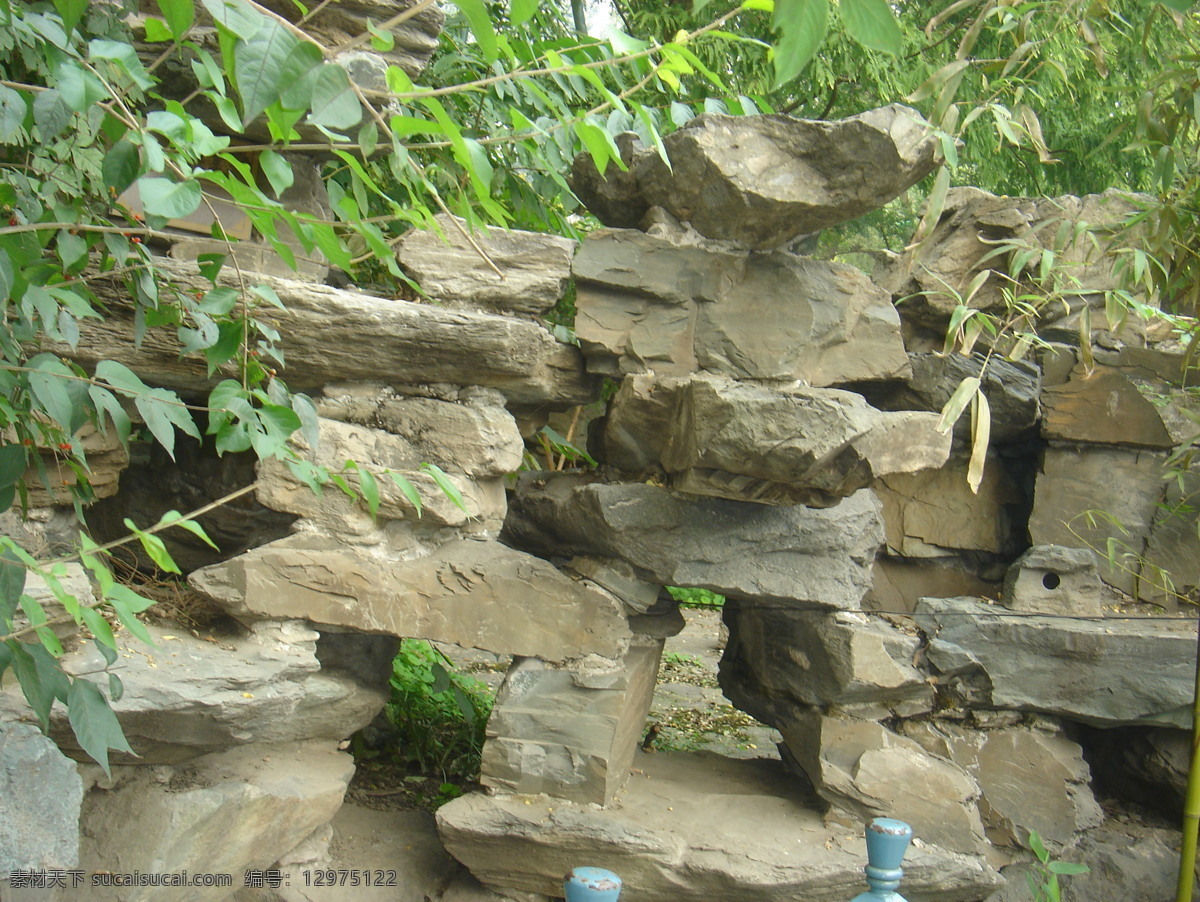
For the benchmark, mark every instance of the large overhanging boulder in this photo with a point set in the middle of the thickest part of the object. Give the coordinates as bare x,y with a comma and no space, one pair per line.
763,180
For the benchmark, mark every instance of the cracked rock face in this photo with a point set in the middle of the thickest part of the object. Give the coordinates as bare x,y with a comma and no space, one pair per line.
761,181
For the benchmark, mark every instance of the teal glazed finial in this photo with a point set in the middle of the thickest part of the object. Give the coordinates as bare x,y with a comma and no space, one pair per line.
592,885
887,841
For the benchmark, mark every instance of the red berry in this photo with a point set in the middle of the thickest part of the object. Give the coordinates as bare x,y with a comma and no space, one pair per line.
12,221
64,446
136,240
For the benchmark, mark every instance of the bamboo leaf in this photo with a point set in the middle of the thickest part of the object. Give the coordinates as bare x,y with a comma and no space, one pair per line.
981,431
958,403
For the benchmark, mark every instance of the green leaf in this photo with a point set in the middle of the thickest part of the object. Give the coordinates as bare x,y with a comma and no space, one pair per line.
121,165
1180,6
260,65
802,25
116,689
95,622
235,16
334,103
12,113
408,489
95,725
180,14
521,11
443,482
12,464
481,26
50,389
299,75
120,377
873,24
125,56
157,31
1038,847
71,11
370,490
40,677
50,114
164,412
1067,868
154,547
277,170
174,518
171,200
12,582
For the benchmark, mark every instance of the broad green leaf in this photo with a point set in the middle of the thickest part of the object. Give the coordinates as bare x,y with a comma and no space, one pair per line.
210,266
49,385
802,25
299,75
154,547
260,66
121,165
125,56
521,11
116,689
71,12
480,21
174,518
277,170
334,103
7,276
381,41
873,24
120,377
180,14
596,140
12,582
235,16
79,88
12,467
12,113
1067,868
157,31
99,627
127,603
95,725
39,676
171,200
51,114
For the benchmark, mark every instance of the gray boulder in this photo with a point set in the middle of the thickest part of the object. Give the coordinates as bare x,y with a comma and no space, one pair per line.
748,442
675,304
534,268
763,180
42,793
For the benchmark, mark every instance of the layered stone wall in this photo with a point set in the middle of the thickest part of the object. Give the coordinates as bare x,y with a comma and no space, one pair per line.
771,436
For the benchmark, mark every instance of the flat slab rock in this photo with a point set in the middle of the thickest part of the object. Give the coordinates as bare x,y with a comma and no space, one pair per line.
692,827
806,557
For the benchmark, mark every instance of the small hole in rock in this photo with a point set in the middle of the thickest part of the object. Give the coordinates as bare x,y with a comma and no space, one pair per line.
1051,581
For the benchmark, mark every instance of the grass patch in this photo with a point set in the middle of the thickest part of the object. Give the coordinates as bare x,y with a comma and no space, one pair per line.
696,598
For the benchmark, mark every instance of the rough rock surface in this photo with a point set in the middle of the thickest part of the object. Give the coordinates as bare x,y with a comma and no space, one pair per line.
746,442
1028,779
477,594
186,697
1147,766
1111,672
1174,544
763,180
535,267
692,828
474,434
897,583
338,335
933,512
864,770
569,733
1052,579
221,814
803,556
41,793
674,305
779,658
1125,483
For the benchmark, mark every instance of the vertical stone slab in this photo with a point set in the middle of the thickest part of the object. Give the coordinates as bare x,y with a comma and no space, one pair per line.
571,732
40,797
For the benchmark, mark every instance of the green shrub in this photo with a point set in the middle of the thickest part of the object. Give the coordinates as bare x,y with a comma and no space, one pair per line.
696,598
